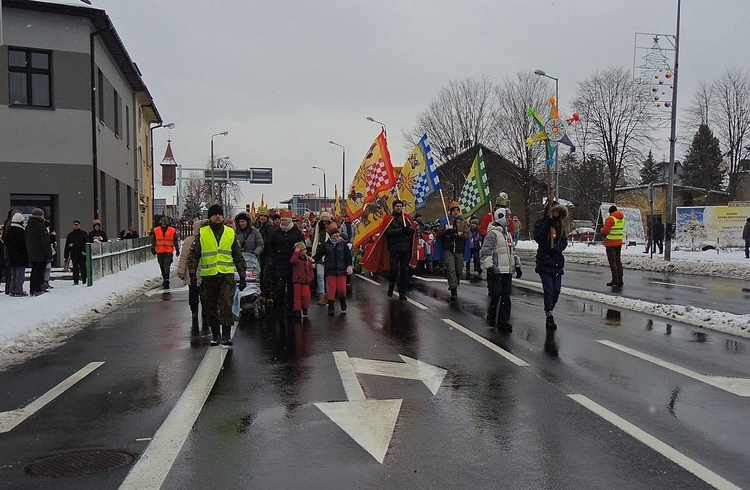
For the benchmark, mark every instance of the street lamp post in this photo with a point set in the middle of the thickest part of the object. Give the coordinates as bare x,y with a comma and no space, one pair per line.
672,140
320,208
385,130
325,194
224,133
153,185
343,167
541,73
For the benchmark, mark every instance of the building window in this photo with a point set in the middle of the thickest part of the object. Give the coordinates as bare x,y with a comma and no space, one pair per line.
30,77
127,126
117,102
100,89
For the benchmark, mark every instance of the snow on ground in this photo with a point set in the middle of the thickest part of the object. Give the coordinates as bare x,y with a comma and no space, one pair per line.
30,325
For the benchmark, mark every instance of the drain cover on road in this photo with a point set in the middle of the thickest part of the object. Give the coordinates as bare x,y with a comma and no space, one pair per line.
79,463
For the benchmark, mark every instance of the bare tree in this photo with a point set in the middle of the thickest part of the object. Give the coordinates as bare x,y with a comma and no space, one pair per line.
226,191
514,97
618,130
459,117
195,195
725,106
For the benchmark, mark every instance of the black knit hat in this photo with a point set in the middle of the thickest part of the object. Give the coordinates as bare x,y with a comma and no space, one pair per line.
215,209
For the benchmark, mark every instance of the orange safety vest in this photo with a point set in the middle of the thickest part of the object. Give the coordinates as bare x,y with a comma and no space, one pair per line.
164,241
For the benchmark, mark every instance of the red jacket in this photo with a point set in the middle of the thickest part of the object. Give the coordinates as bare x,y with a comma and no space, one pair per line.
302,269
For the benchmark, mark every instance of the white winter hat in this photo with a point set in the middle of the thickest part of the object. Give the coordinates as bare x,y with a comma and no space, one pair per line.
500,217
17,218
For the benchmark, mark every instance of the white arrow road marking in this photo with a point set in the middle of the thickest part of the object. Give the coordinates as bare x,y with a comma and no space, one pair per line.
10,419
736,386
369,422
431,376
515,360
660,447
352,388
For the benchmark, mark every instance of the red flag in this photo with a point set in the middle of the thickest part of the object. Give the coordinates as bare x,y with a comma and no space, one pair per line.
375,175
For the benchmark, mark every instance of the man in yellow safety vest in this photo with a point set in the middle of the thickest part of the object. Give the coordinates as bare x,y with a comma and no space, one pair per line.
613,229
217,253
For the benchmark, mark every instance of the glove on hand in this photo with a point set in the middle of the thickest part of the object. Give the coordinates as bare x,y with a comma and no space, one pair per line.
242,284
178,253
519,273
193,279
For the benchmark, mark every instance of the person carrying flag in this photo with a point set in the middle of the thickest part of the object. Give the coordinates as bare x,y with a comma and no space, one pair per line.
400,236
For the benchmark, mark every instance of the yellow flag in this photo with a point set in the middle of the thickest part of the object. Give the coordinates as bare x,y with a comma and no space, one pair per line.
336,204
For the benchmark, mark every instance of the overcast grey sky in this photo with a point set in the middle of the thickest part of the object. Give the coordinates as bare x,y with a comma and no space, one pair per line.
284,77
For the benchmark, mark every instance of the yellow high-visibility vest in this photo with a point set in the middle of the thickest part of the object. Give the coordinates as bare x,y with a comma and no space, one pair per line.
216,257
615,233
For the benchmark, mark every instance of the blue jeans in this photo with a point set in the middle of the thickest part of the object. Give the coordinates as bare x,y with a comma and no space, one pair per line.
551,283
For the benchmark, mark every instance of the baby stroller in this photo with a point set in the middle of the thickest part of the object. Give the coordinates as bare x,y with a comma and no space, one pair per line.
250,296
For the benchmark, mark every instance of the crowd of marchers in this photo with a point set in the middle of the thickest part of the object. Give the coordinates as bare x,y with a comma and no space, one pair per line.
299,257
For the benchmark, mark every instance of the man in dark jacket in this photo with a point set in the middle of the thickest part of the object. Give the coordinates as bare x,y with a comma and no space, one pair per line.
399,234
281,248
39,249
659,234
75,250
549,234
746,237
453,231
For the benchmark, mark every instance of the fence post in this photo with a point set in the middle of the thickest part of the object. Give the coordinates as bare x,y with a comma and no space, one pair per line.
89,277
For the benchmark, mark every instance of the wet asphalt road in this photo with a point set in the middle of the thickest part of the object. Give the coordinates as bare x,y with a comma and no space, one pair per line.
491,423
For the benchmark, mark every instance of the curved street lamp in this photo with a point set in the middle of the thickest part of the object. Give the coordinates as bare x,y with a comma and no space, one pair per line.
223,133
319,206
343,167
385,130
325,194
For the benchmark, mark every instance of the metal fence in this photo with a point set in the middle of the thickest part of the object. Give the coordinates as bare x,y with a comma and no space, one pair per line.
105,258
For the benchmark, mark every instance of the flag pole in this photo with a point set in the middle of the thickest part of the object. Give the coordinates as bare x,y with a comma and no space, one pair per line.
442,199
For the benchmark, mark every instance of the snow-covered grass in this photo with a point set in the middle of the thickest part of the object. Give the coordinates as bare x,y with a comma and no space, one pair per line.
30,325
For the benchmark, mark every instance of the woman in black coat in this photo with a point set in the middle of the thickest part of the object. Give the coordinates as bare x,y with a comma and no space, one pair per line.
18,258
549,234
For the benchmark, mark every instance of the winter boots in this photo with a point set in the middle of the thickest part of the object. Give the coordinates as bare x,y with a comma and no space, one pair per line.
454,294
342,301
331,310
226,332
165,284
402,296
323,299
215,335
551,325
390,289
